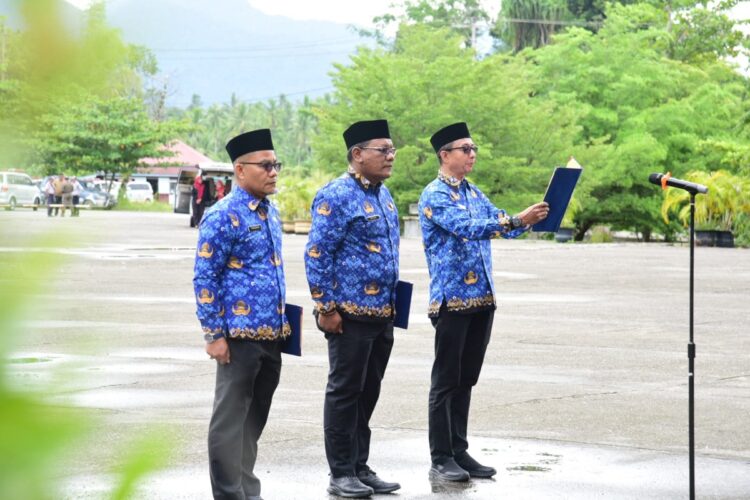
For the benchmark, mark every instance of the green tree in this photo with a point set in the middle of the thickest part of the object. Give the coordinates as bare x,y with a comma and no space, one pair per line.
530,23
110,135
429,80
46,69
642,112
293,125
466,18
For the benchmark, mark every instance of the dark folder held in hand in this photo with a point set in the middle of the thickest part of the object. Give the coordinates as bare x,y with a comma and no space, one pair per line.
293,343
558,195
403,304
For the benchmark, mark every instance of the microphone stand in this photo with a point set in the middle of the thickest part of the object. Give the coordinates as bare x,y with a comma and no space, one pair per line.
691,354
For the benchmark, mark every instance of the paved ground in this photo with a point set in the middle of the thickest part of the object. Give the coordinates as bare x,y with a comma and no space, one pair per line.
583,393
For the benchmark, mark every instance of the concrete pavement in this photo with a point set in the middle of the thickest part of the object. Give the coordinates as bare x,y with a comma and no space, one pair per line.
583,393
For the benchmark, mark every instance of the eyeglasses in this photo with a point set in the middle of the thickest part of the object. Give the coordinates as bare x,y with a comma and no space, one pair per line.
267,165
385,151
466,148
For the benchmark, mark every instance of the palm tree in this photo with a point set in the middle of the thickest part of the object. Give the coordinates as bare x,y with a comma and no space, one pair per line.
728,198
530,23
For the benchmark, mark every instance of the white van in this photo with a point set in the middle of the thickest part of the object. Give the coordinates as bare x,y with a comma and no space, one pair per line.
139,192
17,188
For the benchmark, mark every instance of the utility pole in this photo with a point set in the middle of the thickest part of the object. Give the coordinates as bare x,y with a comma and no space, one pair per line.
474,24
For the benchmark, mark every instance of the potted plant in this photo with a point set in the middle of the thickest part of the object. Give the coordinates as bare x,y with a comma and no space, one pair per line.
716,212
295,196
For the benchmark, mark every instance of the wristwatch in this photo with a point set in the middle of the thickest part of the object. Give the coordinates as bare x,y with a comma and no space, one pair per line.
212,337
516,222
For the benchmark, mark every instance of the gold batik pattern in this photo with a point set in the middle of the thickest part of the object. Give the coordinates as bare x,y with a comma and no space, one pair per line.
264,332
457,304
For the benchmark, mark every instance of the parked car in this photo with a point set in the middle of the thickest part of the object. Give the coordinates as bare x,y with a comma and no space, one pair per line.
139,192
93,196
17,188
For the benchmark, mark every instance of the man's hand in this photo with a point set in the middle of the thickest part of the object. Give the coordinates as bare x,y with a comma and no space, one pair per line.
219,350
534,213
331,323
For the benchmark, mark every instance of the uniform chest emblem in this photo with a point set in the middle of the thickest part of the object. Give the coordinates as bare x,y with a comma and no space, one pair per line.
234,219
368,207
276,260
391,206
234,263
262,214
324,209
427,211
206,251
240,308
372,288
206,296
252,205
314,252
455,196
473,193
373,247
470,278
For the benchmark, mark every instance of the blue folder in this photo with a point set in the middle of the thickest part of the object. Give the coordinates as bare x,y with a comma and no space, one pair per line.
403,304
559,192
293,343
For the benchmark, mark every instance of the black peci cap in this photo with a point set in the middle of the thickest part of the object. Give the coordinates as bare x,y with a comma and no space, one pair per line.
366,131
449,134
249,142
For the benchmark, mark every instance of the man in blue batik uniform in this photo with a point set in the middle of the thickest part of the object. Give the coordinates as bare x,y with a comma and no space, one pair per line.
240,293
351,261
458,222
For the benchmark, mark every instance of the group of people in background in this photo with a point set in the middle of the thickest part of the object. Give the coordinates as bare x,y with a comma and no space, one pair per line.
205,193
62,193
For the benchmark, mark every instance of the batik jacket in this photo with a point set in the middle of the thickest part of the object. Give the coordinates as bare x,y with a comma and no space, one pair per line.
351,257
457,223
239,277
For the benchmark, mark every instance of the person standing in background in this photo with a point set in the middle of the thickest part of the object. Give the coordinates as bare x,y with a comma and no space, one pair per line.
77,191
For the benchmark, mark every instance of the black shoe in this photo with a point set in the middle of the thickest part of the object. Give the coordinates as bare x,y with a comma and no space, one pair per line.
474,468
448,471
349,487
371,479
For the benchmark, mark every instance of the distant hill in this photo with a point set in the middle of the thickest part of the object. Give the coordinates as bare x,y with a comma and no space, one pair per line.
223,46
219,47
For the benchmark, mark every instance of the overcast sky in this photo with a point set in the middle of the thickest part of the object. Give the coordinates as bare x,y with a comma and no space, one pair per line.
340,11
361,13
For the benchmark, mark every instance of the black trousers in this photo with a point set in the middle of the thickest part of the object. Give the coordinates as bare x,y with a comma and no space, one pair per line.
357,360
460,344
197,217
244,389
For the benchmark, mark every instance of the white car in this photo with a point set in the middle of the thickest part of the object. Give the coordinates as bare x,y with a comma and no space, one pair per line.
139,192
17,188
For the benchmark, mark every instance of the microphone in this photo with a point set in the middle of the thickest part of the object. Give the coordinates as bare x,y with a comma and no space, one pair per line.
665,180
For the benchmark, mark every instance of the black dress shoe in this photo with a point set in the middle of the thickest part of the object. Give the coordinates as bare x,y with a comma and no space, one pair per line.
474,468
371,479
448,470
349,487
